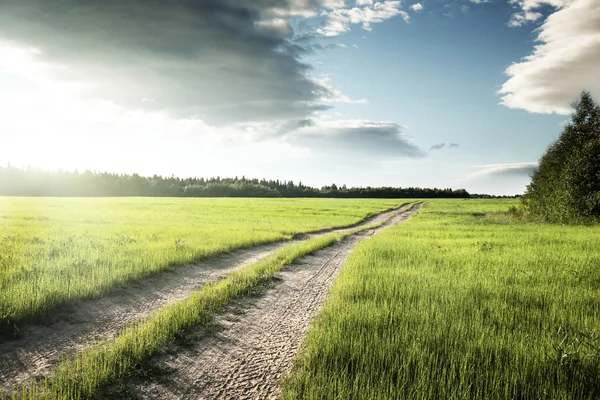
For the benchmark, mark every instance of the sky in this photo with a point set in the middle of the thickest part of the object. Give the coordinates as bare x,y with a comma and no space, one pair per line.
429,93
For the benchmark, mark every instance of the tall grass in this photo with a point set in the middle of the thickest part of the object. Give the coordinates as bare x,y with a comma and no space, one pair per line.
57,251
460,302
96,366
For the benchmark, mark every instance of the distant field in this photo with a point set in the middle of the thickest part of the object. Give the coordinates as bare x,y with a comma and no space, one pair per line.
55,251
460,302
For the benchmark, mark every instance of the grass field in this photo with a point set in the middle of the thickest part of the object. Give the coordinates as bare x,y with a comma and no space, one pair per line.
460,302
60,250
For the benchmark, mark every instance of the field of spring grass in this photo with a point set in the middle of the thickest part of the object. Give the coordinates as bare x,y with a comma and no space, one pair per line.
463,301
56,251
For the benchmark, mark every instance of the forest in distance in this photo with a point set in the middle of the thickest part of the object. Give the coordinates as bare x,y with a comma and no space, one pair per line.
37,182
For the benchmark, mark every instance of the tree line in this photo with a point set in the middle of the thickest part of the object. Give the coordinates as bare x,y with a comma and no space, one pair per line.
36,182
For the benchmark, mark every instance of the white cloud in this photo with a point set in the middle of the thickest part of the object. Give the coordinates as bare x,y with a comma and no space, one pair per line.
527,5
365,14
416,7
565,62
523,17
480,1
334,95
333,4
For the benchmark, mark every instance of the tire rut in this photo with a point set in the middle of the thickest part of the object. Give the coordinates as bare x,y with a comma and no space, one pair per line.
255,342
64,333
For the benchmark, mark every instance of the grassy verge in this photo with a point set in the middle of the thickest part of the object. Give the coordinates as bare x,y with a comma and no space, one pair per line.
461,302
100,365
58,251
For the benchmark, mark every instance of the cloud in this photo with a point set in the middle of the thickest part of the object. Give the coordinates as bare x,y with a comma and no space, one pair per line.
335,45
523,17
222,60
528,5
513,169
365,13
416,7
508,178
336,138
440,146
356,138
480,1
332,95
257,132
333,4
565,62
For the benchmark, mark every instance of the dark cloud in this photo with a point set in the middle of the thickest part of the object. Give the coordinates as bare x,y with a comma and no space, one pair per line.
440,146
359,138
294,125
223,61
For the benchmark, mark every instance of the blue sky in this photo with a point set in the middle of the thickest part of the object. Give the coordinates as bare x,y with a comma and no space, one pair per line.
430,93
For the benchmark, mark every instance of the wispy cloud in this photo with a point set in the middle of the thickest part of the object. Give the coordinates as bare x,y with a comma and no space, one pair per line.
365,13
440,146
511,169
524,17
333,95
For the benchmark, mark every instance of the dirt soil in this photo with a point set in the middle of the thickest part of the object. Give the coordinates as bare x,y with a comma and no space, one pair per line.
66,332
255,342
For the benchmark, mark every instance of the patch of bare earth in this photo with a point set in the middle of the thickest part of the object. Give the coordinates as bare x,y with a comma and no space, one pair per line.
255,342
64,333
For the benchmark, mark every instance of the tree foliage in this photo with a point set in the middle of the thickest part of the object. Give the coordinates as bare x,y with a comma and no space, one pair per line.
36,182
566,185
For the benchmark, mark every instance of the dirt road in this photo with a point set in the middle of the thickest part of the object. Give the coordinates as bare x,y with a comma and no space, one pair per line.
67,332
254,344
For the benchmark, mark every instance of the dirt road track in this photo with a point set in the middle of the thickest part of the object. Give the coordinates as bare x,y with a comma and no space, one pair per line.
256,341
67,332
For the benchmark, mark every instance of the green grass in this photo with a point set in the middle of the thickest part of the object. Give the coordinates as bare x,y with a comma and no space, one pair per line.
460,302
82,376
57,251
